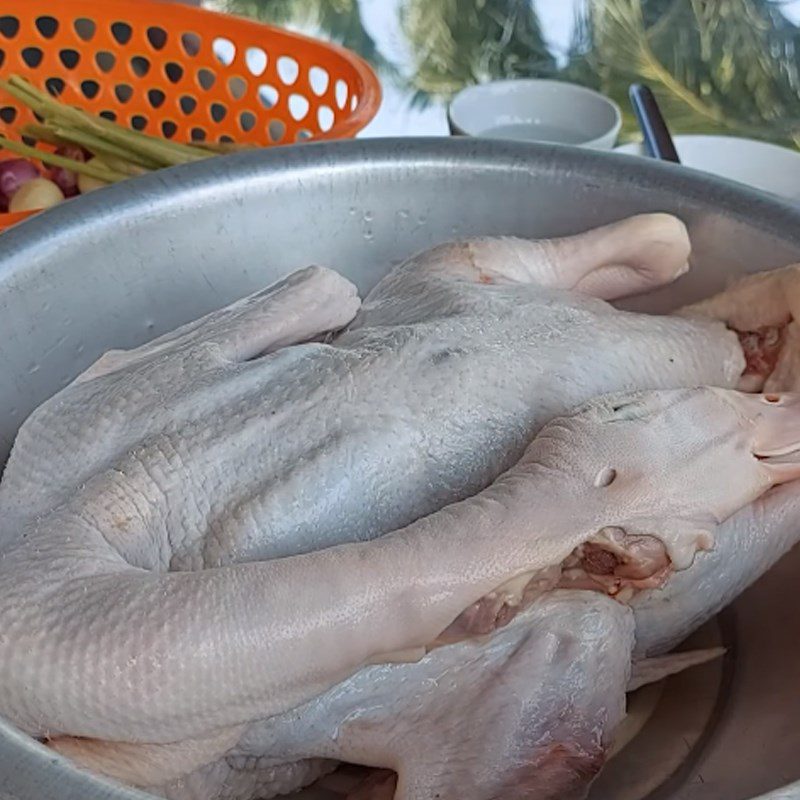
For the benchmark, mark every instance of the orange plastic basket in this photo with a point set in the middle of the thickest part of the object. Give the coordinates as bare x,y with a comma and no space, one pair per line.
183,73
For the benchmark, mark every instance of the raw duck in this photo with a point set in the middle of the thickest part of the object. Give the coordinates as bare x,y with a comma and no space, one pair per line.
230,524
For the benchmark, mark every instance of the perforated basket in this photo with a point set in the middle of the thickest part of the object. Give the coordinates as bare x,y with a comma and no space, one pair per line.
183,73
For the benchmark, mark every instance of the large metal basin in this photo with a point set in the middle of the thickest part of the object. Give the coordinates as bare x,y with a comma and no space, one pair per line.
119,267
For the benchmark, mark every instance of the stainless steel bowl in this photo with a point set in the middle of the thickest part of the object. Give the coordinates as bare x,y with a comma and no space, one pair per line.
119,267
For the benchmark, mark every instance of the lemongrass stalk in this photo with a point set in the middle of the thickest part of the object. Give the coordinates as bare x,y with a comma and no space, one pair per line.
22,94
118,164
42,134
150,148
48,104
101,173
133,164
99,146
166,152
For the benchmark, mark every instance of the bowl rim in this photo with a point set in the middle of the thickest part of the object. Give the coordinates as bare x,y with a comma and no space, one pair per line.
176,187
511,86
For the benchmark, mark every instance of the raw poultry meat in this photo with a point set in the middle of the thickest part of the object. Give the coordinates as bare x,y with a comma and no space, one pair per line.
527,714
198,528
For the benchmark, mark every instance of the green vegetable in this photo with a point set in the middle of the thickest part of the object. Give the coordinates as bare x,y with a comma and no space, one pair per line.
120,153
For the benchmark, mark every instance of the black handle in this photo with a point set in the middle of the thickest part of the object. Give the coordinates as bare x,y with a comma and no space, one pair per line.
657,140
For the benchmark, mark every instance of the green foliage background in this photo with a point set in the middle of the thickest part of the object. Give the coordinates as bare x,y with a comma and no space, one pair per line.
723,66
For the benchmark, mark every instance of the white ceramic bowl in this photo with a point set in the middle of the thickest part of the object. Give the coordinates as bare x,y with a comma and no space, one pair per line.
758,164
536,110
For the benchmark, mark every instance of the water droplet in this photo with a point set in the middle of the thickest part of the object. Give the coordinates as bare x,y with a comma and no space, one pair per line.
79,349
421,219
33,368
13,412
45,306
403,213
367,216
353,210
368,235
149,324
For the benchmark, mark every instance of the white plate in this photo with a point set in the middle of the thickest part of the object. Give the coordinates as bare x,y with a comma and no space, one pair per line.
759,164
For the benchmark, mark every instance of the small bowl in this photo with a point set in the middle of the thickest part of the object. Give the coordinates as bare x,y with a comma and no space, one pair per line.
758,164
536,110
